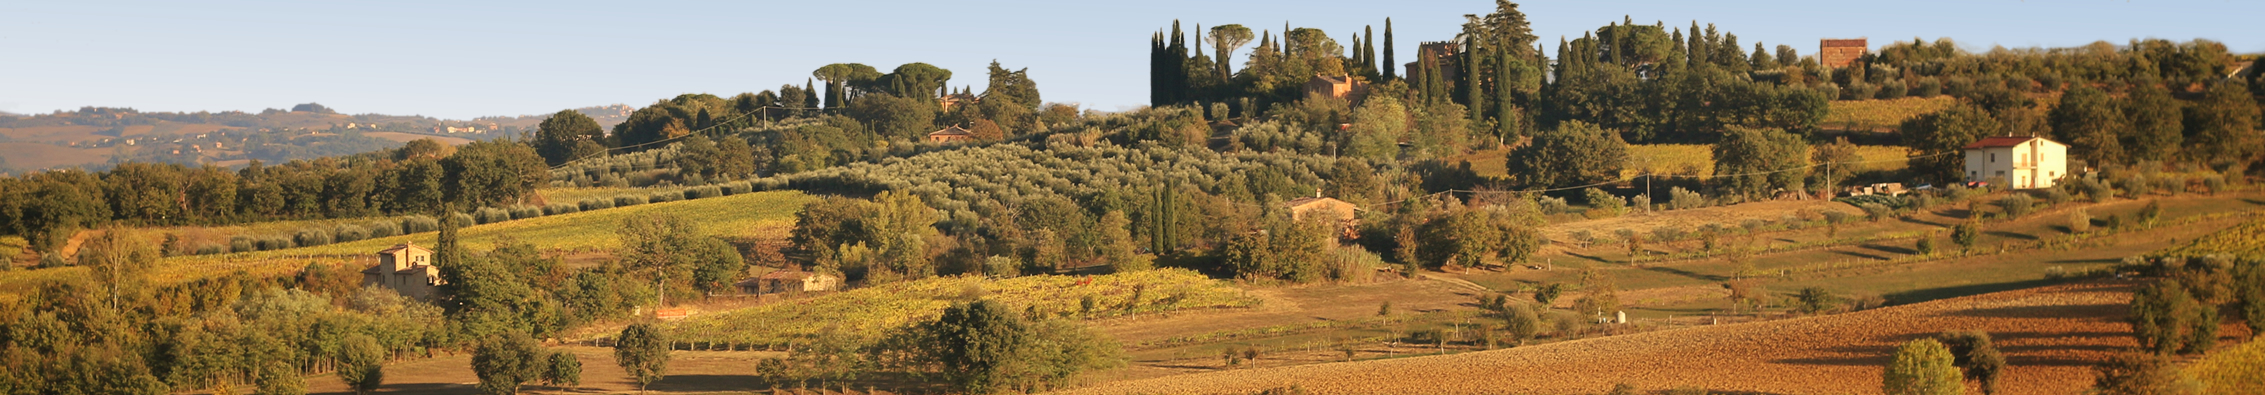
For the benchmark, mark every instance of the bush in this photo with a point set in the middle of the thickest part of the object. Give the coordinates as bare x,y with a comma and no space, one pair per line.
667,196
242,243
350,233
1926,244
272,243
628,200
525,212
1927,87
1859,91
1876,211
2017,205
309,237
1976,357
703,192
383,228
1679,199
2079,222
2057,196
207,249
461,218
561,208
2213,184
594,204
1922,367
1893,90
1553,205
1815,300
489,215
419,224
2138,373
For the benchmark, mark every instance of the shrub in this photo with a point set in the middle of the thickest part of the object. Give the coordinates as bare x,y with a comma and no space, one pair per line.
1927,87
309,237
1922,367
703,192
419,224
629,200
2133,187
461,218
1835,217
383,228
667,196
272,243
1859,91
2017,205
489,215
349,233
1926,244
1553,205
594,204
2096,190
242,243
525,212
1966,234
2079,221
2137,373
2148,215
2056,196
1815,300
1975,356
1876,211
1679,199
1603,204
2213,184
208,249
1893,90
561,208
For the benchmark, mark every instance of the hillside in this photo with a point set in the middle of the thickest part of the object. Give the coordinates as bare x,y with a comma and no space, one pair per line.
1836,354
96,136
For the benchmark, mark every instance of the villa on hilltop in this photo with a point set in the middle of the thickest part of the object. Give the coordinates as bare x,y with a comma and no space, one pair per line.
406,269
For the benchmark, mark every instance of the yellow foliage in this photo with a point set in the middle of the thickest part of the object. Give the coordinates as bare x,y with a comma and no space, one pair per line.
2239,370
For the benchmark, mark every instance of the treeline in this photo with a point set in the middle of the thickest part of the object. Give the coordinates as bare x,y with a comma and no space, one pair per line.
860,113
423,177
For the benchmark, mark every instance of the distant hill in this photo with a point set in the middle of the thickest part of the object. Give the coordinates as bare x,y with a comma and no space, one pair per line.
96,137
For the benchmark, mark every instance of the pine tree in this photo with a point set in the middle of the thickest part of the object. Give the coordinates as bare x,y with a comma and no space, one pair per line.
1391,70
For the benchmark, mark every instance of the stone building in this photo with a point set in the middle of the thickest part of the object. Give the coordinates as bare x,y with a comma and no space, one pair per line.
1840,52
407,269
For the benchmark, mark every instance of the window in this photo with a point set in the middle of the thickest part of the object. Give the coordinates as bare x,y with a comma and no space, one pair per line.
1993,157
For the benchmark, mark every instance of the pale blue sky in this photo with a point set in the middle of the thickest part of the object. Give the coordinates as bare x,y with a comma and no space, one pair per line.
461,59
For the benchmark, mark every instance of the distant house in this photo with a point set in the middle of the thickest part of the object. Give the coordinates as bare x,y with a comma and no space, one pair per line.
956,100
950,134
789,282
406,269
1840,52
1342,87
2022,162
1336,212
1440,53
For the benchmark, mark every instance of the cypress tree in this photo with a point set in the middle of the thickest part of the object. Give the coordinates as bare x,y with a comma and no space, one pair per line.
1474,92
1506,119
1696,48
1368,48
1155,69
1391,70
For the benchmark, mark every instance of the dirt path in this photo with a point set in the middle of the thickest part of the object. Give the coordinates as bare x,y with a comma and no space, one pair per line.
2050,334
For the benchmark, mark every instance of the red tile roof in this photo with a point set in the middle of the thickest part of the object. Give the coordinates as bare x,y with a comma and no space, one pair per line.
953,130
2000,142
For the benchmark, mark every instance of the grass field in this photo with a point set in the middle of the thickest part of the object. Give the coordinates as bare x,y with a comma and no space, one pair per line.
1880,115
762,215
867,312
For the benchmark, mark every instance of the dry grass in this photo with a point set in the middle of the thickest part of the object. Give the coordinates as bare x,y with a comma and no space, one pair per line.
1881,115
2050,334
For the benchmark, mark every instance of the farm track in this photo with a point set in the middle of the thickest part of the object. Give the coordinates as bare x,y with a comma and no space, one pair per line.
2050,334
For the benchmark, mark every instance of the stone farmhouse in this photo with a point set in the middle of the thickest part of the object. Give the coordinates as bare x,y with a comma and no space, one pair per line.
950,134
1840,52
406,269
789,282
2021,162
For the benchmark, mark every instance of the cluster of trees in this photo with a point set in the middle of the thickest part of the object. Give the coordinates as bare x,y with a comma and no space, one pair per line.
985,346
1940,365
2180,313
423,177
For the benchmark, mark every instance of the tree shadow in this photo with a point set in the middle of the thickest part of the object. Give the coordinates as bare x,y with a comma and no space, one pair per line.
418,388
1588,257
1686,273
2040,312
1890,250
1922,295
1916,220
2010,235
1859,255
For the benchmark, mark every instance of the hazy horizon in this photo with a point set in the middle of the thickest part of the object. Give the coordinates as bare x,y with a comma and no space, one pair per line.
460,60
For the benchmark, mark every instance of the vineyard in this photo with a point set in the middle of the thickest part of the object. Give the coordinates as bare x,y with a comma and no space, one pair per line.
963,182
868,312
2245,240
1685,160
1881,115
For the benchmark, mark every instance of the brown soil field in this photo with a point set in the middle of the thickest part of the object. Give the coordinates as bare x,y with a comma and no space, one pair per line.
408,137
40,156
2050,334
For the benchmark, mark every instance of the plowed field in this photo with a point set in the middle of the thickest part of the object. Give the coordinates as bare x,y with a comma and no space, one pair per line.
2050,335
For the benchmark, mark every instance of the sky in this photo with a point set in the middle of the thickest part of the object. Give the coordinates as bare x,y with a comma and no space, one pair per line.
461,59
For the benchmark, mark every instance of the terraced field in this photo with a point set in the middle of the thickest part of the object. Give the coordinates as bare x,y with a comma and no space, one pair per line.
2050,334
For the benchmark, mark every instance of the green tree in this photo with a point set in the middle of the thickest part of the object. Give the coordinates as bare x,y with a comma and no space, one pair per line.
895,117
119,259
985,347
563,370
1117,244
1966,234
1755,162
655,245
559,137
1922,367
2139,373
1976,357
488,173
1226,39
278,378
643,351
918,81
1575,153
2223,125
1835,162
1815,300
1520,322
505,361
362,363
2166,319
1938,139
2089,119
2156,130
1378,127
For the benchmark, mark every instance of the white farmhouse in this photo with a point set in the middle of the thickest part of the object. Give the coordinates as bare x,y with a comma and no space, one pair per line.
2022,162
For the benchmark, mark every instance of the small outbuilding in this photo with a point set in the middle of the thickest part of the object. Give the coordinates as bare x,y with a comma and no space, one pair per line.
406,269
2021,162
789,282
950,134
1344,215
